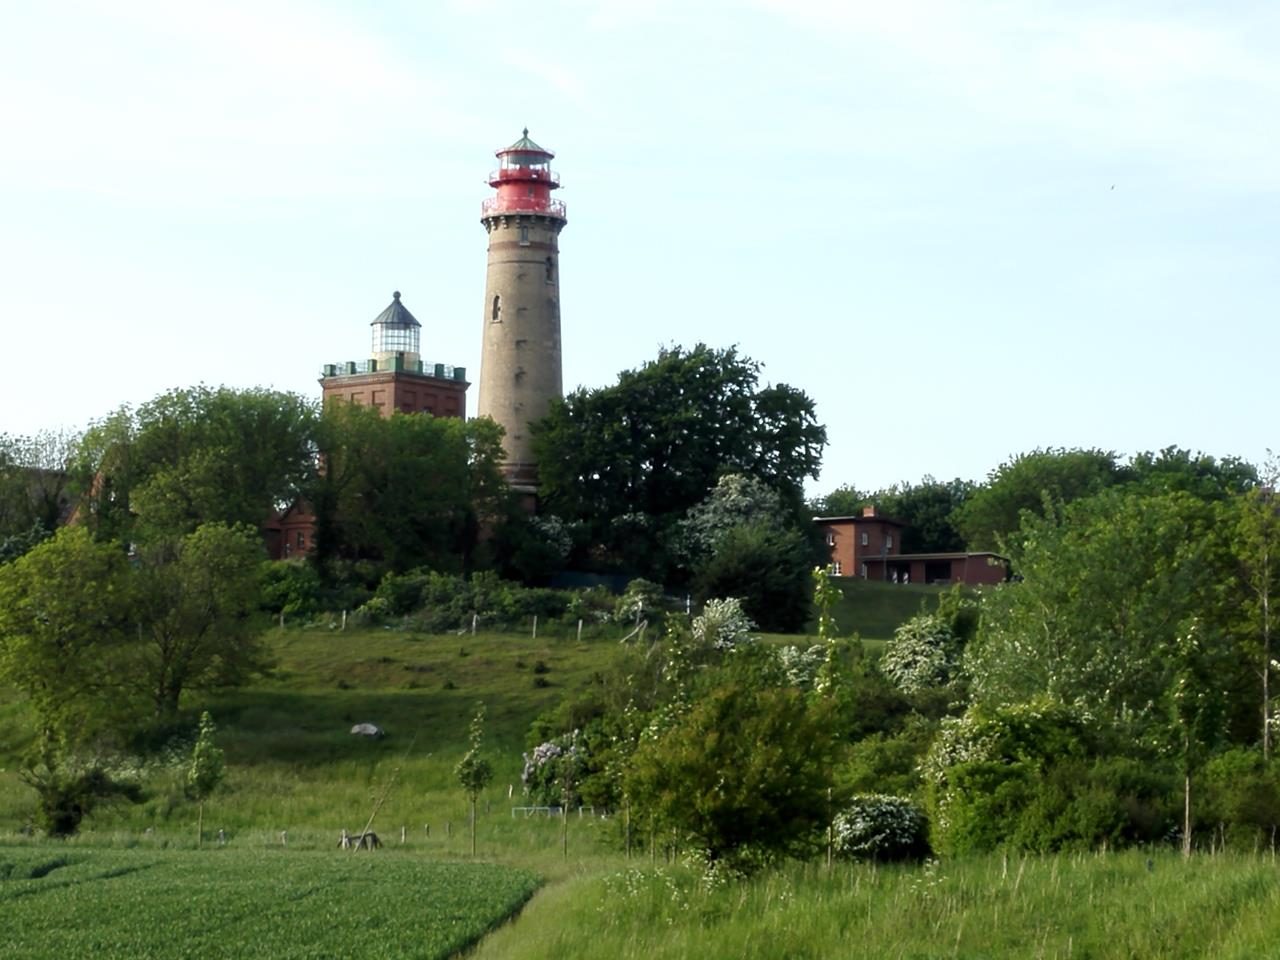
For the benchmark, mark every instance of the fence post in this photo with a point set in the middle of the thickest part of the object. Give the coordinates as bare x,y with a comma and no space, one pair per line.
344,621
402,832
535,626
579,629
474,617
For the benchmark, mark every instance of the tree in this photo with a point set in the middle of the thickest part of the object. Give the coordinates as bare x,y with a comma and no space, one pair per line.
1174,469
743,776
1105,586
66,629
473,770
205,771
196,455
35,485
654,444
196,598
927,510
768,568
1024,484
1256,516
405,490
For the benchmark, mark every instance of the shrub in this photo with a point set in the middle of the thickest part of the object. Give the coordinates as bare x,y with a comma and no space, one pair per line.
291,587
923,653
875,826
640,599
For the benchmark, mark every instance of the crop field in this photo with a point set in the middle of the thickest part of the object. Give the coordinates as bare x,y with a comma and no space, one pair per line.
78,902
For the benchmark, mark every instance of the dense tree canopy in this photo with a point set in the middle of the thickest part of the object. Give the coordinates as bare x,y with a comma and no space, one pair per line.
994,510
196,455
629,460
405,490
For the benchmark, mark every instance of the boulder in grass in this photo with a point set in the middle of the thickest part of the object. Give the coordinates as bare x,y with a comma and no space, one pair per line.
368,730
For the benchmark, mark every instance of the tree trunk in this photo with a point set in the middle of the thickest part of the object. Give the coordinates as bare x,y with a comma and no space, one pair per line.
1186,815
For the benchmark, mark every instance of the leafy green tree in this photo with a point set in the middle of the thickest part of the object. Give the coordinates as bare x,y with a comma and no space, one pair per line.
474,771
1105,585
36,486
66,629
206,770
196,597
928,510
768,568
1196,708
1174,469
743,776
196,455
1023,484
405,490
653,445
844,501
69,786
1256,517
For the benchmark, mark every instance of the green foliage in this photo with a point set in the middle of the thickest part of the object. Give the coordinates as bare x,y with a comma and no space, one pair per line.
1240,799
1106,586
743,776
66,632
404,490
768,568
196,597
735,501
1198,474
292,587
1035,776
70,786
628,461
194,456
641,599
37,488
474,772
993,512
208,764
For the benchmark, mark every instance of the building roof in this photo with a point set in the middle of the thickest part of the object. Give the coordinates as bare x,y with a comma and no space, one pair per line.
878,518
396,315
525,145
875,558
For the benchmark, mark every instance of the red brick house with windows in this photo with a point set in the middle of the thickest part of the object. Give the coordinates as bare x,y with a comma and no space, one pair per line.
869,546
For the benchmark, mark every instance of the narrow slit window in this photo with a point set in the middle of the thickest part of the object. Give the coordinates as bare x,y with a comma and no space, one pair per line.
496,315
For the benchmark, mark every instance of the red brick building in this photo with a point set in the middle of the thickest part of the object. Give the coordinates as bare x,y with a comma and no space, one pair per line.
394,379
870,546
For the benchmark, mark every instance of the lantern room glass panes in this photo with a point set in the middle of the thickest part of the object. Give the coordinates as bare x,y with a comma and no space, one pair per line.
395,338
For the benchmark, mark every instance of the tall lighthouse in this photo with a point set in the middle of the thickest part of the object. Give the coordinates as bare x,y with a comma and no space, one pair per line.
520,358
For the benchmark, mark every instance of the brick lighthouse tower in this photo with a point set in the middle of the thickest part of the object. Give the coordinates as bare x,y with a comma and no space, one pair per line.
520,359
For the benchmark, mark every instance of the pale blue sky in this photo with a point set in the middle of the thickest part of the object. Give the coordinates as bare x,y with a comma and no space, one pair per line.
965,229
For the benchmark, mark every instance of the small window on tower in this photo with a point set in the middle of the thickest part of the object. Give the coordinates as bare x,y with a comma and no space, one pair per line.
551,271
524,236
496,316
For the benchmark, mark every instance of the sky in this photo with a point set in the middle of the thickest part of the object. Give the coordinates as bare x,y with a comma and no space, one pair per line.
966,230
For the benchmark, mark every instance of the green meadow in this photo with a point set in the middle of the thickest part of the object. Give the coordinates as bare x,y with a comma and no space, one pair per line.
133,883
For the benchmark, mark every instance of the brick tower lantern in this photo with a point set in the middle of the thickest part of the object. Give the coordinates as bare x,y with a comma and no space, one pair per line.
395,378
520,358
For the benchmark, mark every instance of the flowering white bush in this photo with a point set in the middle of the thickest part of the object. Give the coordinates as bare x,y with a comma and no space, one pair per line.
923,653
801,666
552,770
722,625
876,826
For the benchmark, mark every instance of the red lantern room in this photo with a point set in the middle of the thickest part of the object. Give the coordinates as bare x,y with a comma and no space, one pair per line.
524,182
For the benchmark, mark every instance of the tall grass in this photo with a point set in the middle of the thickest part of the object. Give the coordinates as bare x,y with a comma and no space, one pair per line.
1125,905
